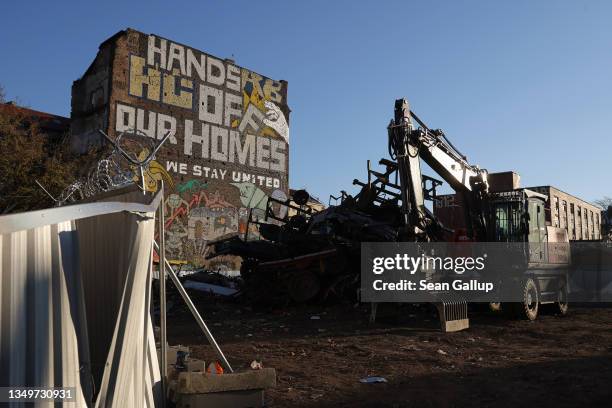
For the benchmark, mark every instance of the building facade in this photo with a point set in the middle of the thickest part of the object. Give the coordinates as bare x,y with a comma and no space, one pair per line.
228,148
581,220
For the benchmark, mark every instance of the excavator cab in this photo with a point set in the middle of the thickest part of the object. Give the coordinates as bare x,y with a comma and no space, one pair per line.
508,222
518,216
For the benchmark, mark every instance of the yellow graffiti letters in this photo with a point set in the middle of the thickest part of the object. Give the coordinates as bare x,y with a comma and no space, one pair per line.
141,76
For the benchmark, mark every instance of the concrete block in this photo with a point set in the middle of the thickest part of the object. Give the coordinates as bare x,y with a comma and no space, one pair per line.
234,399
200,383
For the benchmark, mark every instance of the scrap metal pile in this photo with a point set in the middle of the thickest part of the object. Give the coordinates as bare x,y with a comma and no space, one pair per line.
316,256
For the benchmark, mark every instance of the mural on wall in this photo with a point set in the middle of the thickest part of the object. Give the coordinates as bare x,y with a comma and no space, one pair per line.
228,145
155,173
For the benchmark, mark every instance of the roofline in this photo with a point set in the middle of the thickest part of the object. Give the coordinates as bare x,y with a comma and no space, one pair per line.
32,112
564,192
531,189
128,29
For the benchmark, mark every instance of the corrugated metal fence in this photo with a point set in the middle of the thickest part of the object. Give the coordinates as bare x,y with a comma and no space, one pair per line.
69,271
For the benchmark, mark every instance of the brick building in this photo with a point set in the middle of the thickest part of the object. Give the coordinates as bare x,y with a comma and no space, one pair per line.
229,132
581,219
313,204
54,126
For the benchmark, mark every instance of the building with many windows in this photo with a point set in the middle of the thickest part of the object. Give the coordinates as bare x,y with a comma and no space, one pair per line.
581,219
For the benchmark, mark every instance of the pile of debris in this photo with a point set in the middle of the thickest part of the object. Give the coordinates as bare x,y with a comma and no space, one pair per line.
316,255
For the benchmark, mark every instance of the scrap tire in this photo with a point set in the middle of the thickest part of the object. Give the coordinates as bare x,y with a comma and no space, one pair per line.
529,307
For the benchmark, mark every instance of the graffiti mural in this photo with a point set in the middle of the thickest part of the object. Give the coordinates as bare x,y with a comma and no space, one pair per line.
228,126
154,173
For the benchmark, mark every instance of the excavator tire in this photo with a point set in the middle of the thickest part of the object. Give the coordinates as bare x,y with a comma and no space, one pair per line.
529,307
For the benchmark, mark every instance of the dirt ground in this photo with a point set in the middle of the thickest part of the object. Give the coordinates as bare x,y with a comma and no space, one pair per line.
498,362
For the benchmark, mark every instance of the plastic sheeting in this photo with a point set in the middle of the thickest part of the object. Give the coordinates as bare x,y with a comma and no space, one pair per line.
75,292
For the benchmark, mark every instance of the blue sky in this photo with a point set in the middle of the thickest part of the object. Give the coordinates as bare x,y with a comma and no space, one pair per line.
516,85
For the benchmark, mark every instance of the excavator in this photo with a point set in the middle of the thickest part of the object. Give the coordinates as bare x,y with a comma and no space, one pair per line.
515,216
314,255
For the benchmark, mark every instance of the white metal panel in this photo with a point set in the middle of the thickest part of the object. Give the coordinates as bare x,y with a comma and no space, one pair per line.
43,320
38,342
128,364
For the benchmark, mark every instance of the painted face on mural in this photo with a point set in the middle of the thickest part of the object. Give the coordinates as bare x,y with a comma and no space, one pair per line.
174,200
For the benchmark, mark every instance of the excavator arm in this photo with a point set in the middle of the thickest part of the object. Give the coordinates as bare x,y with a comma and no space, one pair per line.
408,145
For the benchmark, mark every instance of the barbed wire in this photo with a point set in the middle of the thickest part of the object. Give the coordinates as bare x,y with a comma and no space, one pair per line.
118,169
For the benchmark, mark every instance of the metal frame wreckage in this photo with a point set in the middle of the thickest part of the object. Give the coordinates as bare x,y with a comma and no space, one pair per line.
312,255
316,255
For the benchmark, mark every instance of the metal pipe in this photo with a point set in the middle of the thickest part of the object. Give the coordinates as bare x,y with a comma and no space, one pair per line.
195,313
162,295
142,182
